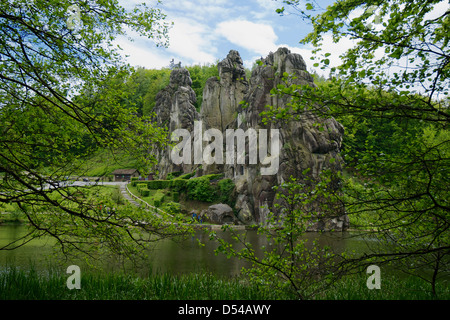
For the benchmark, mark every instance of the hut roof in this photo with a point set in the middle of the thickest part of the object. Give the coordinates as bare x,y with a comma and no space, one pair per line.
125,171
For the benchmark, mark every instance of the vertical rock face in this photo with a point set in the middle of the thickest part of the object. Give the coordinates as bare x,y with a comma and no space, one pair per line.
303,144
174,109
221,97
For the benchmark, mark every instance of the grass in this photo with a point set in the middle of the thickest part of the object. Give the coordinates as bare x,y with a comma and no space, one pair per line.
104,163
392,288
10,214
16,284
19,284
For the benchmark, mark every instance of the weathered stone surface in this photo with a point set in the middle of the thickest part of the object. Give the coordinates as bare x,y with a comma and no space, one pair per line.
221,97
174,109
304,145
334,224
219,214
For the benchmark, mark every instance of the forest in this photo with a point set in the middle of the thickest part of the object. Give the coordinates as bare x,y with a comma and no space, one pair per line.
67,98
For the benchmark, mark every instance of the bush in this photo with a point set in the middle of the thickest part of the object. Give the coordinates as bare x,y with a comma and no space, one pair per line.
144,192
158,184
226,187
172,208
176,196
173,175
139,186
178,185
214,176
134,179
200,189
158,199
187,175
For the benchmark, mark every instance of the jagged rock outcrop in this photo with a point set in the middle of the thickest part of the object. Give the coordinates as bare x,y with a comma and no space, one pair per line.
221,96
174,109
219,214
303,144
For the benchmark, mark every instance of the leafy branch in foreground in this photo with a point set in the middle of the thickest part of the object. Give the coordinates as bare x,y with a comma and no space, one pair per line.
61,99
290,262
391,95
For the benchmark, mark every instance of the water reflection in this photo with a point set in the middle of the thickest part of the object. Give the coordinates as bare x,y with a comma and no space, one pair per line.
184,255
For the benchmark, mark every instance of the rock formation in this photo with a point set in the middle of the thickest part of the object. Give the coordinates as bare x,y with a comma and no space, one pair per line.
219,214
221,97
304,144
174,109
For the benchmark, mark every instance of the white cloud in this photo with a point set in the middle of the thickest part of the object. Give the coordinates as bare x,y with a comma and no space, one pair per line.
192,41
438,10
198,10
140,55
256,37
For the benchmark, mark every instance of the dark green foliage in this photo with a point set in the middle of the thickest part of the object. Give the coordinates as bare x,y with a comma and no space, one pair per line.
158,184
200,189
158,199
144,192
187,175
178,184
225,191
213,176
199,76
173,175
171,207
17,284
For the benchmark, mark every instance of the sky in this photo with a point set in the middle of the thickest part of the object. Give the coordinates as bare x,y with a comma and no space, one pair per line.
204,31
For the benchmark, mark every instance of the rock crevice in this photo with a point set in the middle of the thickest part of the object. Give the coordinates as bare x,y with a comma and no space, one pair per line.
303,144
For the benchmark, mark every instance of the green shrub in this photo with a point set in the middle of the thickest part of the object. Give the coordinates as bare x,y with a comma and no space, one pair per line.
172,208
214,176
158,199
176,196
226,187
139,186
200,189
178,185
173,175
158,184
144,192
134,179
187,175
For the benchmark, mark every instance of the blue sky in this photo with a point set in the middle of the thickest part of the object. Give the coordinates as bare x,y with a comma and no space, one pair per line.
204,31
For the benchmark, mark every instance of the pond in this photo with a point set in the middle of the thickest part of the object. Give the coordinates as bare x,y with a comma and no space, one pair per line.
168,256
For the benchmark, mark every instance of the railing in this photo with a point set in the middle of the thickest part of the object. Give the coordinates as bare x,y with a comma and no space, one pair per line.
146,203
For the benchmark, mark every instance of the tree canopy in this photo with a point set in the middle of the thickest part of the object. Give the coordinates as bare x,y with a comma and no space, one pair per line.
391,94
61,98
